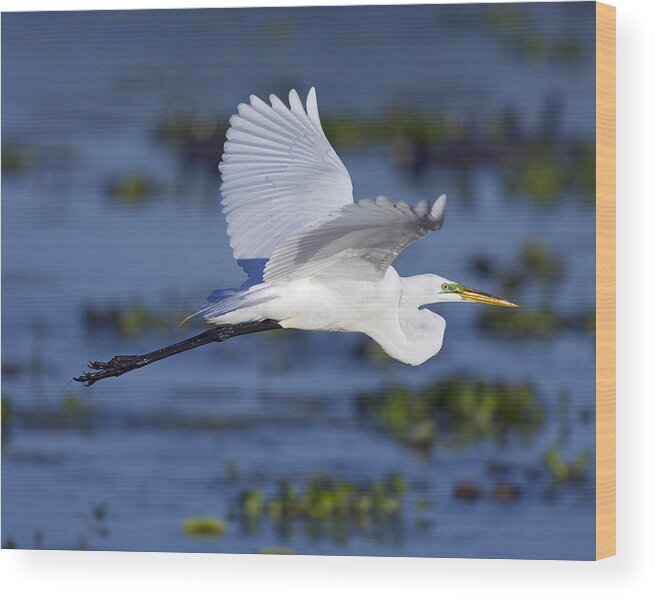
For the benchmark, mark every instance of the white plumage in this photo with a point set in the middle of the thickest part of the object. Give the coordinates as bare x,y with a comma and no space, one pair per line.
316,259
279,173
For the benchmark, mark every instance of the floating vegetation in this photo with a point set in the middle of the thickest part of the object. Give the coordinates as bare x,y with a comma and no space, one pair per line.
17,158
467,490
197,140
470,490
534,323
277,550
410,417
252,504
73,404
434,129
73,412
563,471
518,29
217,422
461,409
506,492
207,526
537,48
326,501
524,323
537,265
131,320
5,410
133,188
542,178
545,170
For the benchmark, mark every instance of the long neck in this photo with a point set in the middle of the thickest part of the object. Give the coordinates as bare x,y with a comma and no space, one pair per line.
419,333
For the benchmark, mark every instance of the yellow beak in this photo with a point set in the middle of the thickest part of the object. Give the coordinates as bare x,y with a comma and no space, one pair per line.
471,295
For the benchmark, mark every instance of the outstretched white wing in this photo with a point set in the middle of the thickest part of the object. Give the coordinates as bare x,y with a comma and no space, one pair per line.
279,173
359,243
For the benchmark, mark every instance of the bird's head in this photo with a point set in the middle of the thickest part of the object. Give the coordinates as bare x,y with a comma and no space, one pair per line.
433,289
450,291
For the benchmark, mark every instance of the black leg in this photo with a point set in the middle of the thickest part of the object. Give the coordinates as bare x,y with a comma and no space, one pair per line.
124,363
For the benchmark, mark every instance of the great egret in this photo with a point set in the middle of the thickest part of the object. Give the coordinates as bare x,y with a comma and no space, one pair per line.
315,259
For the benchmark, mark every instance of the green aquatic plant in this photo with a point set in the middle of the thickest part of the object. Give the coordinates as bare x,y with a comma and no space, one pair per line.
458,408
471,490
476,408
73,404
540,177
132,188
526,323
73,412
543,170
277,550
5,410
17,158
252,505
409,417
534,323
536,265
326,501
506,492
132,320
206,526
348,132
563,471
538,48
539,263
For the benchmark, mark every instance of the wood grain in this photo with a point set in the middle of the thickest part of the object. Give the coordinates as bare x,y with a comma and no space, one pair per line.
605,280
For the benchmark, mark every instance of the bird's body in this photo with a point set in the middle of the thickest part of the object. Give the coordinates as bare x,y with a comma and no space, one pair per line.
315,259
387,310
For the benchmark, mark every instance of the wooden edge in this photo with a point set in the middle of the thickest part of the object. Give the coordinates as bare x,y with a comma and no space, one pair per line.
605,280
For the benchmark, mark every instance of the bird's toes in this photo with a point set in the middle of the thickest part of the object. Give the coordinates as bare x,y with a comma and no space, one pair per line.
86,378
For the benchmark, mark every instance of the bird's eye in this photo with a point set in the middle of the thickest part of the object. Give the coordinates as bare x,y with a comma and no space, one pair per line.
445,287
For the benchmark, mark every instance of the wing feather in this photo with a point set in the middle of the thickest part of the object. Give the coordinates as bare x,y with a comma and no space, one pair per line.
360,242
280,174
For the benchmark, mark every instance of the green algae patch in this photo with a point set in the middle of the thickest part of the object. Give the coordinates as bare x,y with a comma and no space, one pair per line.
207,526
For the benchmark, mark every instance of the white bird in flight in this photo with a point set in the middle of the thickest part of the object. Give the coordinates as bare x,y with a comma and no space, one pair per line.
316,260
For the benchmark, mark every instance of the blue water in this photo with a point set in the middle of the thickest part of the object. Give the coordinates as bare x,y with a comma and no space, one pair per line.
87,90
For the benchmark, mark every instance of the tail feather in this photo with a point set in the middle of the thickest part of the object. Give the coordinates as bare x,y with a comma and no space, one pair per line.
224,301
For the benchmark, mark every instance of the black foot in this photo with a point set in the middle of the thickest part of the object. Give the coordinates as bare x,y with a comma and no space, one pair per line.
115,367
114,363
122,364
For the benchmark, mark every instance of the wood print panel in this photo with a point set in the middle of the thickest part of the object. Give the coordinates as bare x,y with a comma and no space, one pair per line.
303,441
